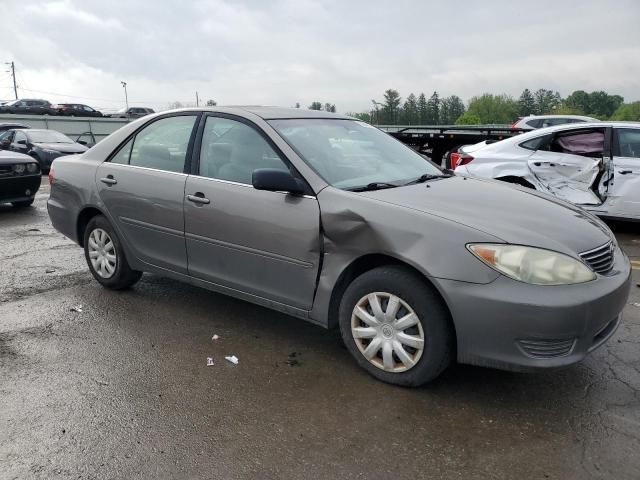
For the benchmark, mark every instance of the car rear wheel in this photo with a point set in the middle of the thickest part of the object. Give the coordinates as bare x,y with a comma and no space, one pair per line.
105,256
23,203
396,326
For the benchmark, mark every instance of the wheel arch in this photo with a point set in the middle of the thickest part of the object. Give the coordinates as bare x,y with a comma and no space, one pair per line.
85,215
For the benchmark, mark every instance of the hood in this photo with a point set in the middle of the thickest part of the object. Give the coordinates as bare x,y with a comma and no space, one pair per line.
9,158
63,147
514,214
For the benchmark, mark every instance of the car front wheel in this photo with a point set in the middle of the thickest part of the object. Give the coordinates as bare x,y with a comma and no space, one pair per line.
396,326
105,256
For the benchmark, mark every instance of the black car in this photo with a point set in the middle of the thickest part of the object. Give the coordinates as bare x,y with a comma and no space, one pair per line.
43,145
76,110
132,112
28,105
19,179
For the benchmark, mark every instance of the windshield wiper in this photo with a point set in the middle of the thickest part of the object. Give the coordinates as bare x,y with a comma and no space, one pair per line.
426,177
372,186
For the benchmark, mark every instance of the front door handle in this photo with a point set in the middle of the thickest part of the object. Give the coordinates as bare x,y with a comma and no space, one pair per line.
109,180
624,172
198,198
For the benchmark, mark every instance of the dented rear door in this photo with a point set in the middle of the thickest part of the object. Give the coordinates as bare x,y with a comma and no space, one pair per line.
567,175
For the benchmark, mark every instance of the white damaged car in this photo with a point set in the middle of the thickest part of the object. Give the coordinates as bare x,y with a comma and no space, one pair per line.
593,165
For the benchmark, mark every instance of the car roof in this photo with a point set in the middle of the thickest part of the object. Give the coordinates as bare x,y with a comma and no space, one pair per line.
269,113
11,125
543,117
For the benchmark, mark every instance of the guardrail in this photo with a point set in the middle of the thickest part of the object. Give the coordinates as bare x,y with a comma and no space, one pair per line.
73,127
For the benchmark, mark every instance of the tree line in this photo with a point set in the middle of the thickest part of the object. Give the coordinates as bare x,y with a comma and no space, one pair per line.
494,109
483,109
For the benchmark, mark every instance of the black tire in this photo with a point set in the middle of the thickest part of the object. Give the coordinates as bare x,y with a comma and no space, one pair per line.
123,276
23,203
433,316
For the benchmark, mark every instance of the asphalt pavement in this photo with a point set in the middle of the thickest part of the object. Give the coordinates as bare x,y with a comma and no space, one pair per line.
109,385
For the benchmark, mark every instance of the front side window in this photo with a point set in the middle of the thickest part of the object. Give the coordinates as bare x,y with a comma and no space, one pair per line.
20,137
232,150
349,154
629,142
163,144
586,143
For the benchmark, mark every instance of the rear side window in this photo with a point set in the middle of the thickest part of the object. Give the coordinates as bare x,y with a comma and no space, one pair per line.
161,145
629,142
123,155
535,123
535,143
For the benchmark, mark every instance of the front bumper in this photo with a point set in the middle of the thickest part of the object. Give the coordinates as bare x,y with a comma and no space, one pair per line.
19,188
516,326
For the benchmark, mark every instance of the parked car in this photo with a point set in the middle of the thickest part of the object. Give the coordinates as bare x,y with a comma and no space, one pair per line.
132,112
43,145
19,179
28,106
75,110
544,121
593,165
329,219
11,126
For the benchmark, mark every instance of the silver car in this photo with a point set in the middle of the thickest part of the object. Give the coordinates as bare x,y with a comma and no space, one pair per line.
328,219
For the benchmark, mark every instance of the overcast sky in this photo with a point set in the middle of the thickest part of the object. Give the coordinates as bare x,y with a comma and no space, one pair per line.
347,52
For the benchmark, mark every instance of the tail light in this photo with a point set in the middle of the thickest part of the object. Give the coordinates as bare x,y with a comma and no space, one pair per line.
51,176
513,125
458,159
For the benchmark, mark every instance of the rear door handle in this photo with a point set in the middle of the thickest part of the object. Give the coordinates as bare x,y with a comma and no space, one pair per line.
109,180
198,198
624,172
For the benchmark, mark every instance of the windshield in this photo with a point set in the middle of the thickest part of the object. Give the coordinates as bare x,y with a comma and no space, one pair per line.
349,154
48,136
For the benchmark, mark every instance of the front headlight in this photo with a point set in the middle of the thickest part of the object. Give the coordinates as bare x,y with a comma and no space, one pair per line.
20,168
32,167
532,265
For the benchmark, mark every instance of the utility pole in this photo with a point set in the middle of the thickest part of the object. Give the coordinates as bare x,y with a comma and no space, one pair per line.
13,76
126,99
197,100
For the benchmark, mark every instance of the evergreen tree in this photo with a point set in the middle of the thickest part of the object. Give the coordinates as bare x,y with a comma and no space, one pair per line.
315,106
410,111
391,109
422,109
433,110
451,108
526,103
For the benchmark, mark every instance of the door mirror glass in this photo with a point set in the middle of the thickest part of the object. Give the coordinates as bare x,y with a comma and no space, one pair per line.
21,142
275,180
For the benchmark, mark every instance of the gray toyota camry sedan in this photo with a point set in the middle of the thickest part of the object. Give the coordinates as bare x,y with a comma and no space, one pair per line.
328,219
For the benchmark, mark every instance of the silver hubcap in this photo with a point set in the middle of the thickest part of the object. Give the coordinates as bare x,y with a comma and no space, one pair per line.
387,332
102,253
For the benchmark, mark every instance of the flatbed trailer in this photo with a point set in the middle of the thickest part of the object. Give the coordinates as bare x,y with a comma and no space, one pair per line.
439,141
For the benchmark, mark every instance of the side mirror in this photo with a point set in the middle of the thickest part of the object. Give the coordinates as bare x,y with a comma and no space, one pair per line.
22,142
274,180
81,142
